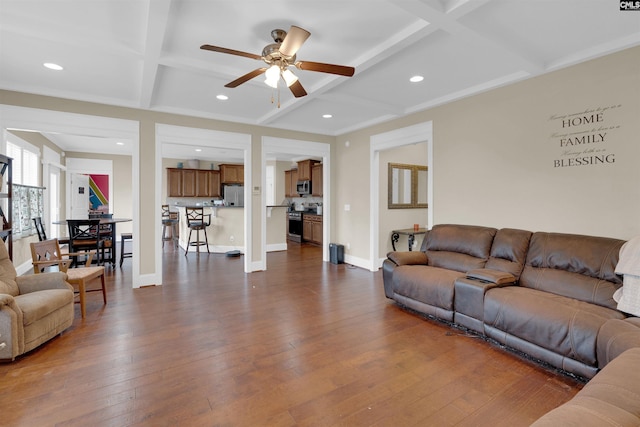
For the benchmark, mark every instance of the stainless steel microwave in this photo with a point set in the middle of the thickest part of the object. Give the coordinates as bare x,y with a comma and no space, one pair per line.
303,187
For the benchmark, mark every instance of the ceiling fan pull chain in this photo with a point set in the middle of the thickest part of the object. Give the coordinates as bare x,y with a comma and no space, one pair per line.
278,97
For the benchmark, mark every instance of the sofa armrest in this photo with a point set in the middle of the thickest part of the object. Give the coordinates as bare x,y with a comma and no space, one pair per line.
37,282
11,329
492,276
408,258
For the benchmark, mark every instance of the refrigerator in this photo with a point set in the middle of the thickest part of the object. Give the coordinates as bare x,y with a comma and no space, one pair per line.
234,195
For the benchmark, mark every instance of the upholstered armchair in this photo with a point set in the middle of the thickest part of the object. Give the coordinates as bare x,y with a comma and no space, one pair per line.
33,308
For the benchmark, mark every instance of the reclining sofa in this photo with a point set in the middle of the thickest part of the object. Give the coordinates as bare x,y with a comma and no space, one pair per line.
548,295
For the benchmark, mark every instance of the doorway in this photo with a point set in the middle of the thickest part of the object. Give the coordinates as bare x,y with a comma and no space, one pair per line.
422,132
273,147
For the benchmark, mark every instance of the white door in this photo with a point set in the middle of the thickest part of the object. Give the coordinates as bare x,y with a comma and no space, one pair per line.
79,196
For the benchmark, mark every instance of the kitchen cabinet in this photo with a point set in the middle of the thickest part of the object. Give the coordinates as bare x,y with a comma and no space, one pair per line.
232,174
214,184
202,183
304,169
174,182
290,183
312,228
189,183
193,183
316,180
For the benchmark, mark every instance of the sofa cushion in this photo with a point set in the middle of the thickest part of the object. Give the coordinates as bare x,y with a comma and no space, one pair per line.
615,337
9,287
611,398
36,305
458,247
563,325
7,273
430,285
575,266
509,251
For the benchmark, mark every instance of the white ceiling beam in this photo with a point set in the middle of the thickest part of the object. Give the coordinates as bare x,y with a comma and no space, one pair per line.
449,22
156,28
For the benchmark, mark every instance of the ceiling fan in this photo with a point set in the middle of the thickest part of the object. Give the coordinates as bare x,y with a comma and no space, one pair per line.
279,56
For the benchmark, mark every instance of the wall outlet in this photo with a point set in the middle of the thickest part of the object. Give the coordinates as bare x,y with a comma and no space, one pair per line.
347,207
348,245
232,238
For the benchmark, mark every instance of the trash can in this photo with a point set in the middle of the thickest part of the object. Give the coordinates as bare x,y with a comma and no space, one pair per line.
336,253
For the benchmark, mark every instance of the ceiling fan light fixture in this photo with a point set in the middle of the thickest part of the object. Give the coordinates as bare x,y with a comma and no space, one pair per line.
272,76
289,77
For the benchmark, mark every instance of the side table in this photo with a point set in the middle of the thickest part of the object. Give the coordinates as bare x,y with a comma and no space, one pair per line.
410,232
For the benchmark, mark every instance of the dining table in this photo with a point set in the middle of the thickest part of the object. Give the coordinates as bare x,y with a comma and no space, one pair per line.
111,222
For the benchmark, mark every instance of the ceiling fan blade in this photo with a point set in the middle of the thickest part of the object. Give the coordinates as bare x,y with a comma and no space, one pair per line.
297,89
294,39
341,70
230,51
237,82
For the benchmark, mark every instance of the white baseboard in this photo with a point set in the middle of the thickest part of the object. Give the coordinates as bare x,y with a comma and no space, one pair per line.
24,268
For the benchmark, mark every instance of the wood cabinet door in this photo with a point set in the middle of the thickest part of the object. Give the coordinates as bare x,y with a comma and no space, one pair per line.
174,182
316,180
189,183
290,183
232,174
307,229
316,231
304,170
202,183
214,184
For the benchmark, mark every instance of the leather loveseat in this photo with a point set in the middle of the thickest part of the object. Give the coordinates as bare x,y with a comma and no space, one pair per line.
549,295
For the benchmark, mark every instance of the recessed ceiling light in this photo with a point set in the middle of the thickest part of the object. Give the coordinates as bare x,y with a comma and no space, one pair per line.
416,79
327,116
222,97
119,143
52,66
198,149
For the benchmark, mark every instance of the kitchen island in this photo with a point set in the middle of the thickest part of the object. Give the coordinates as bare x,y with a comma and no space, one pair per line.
225,233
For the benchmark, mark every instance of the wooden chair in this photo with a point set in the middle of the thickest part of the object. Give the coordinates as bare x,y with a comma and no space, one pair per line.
46,255
42,234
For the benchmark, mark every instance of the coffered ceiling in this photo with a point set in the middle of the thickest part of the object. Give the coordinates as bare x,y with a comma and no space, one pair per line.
146,53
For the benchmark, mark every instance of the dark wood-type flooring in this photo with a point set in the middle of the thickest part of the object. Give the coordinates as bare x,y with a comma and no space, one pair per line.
305,343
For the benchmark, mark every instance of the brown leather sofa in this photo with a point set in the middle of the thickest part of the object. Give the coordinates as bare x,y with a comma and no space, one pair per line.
549,295
611,398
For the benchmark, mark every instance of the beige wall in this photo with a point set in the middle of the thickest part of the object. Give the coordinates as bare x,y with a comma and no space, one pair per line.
494,153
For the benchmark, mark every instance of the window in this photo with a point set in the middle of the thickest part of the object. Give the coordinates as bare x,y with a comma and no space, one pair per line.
25,161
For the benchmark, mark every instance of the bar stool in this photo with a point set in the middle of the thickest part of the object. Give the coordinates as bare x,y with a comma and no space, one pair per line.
196,221
123,254
170,223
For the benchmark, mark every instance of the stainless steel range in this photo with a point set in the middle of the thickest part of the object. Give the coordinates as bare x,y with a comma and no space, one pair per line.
295,226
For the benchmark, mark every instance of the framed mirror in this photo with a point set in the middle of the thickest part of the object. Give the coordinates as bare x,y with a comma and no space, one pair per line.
407,186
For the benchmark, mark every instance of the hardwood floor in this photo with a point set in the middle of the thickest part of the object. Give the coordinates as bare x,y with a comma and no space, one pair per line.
305,343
